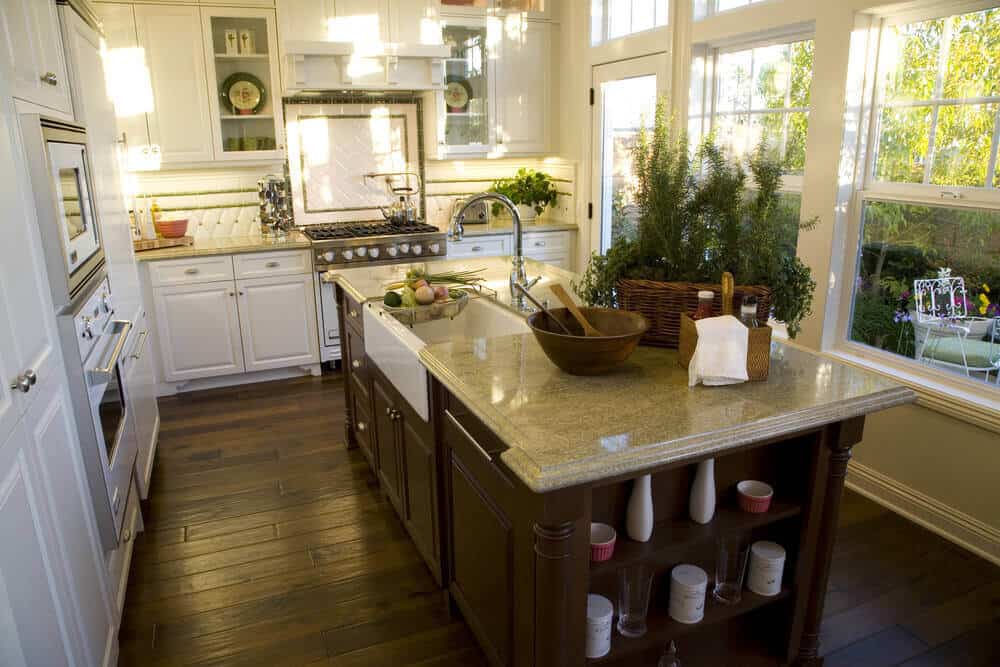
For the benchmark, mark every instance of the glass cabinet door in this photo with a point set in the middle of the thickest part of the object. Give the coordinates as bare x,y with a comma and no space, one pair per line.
465,104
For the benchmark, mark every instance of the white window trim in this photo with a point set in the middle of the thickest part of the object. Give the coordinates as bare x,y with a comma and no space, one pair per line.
939,389
712,10
606,38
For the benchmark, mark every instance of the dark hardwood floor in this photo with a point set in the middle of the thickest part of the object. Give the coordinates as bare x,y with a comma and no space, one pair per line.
268,543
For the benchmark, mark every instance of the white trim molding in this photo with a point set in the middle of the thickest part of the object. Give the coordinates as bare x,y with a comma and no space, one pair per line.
953,525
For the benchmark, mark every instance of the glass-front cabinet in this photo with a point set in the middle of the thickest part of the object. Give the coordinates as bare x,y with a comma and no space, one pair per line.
464,118
245,91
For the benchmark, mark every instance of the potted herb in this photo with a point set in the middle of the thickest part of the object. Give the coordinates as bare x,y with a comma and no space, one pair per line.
701,215
530,190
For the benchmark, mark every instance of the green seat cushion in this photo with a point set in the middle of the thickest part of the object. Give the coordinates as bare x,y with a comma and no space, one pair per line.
978,353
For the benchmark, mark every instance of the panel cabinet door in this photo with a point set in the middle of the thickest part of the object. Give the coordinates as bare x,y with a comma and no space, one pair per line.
278,321
34,50
180,123
415,21
421,488
199,330
523,83
142,400
390,472
306,20
355,20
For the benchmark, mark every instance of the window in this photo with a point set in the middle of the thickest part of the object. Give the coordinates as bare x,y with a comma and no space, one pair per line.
703,8
930,210
611,19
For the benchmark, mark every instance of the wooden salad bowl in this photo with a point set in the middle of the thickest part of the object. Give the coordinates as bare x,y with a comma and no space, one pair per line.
578,354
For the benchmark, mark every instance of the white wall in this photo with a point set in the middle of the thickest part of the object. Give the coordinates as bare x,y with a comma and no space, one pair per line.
935,468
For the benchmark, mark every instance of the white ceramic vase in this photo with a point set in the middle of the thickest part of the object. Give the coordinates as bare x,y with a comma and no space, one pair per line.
701,504
639,516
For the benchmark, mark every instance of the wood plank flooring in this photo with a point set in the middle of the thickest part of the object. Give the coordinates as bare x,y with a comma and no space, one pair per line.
267,543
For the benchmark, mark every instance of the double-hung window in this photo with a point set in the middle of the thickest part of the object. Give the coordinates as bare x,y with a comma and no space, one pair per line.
929,206
611,19
752,94
704,8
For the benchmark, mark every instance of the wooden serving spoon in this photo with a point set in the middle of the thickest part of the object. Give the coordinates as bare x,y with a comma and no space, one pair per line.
542,308
563,295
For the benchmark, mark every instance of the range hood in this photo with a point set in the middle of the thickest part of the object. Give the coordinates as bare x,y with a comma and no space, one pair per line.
327,65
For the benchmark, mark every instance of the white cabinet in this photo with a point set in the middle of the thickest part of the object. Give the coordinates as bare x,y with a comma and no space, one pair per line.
257,313
180,124
368,19
479,246
554,247
142,401
32,46
278,321
524,83
199,331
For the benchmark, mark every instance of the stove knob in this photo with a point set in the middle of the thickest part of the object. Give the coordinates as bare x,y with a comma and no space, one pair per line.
373,253
416,249
404,248
348,255
361,251
392,251
434,248
330,256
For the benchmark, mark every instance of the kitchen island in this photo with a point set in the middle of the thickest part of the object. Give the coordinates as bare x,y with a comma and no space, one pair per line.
500,484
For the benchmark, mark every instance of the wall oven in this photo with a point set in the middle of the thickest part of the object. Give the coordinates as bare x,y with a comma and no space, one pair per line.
60,170
93,343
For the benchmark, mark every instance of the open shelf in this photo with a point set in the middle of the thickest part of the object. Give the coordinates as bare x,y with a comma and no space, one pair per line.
679,535
662,628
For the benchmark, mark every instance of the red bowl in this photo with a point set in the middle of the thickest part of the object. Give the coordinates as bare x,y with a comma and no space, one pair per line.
172,229
754,497
602,542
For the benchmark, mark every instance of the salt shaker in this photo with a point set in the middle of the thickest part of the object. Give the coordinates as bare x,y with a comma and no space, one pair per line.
748,312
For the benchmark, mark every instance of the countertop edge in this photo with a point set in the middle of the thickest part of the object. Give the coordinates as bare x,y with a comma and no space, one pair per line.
188,252
541,480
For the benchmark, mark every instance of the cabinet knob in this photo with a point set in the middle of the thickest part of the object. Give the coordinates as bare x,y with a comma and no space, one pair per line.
539,244
476,248
242,293
353,313
362,426
126,536
232,293
50,78
388,412
22,384
273,265
356,364
191,272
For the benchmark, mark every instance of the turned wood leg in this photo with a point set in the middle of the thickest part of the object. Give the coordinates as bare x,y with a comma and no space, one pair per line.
553,594
839,445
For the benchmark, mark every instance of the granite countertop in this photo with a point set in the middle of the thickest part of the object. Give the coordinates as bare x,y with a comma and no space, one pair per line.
564,430
505,226
233,245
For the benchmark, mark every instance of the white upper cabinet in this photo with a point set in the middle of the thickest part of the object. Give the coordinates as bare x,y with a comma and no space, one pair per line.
31,44
180,123
356,20
524,83
536,9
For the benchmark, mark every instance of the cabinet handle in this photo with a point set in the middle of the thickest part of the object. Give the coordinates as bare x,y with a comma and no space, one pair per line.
396,415
362,426
388,412
127,536
273,265
50,78
23,382
356,364
476,248
191,272
468,436
141,346
539,244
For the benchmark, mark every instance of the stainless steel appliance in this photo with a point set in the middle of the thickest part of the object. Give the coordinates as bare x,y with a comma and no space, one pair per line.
93,344
60,170
337,246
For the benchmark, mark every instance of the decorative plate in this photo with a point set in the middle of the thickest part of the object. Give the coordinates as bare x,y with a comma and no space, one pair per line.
457,93
244,93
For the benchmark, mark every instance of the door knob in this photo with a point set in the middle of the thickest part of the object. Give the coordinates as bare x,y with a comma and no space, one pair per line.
50,78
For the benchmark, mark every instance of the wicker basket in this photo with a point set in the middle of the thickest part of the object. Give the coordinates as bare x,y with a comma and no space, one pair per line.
758,348
663,303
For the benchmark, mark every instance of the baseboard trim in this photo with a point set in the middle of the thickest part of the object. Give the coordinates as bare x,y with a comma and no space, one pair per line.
965,531
173,388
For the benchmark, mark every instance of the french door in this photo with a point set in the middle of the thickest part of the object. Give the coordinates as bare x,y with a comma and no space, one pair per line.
625,94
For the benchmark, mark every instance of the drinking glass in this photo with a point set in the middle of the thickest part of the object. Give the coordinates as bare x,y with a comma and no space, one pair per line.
635,582
730,568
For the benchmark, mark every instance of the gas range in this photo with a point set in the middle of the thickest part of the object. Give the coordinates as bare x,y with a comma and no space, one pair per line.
352,244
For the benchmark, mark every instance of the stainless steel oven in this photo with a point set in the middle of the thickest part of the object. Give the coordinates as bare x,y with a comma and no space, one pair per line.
60,170
93,343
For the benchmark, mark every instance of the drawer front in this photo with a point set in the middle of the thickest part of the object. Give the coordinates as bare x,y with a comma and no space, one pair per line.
479,246
353,315
356,356
190,270
281,263
539,242
560,259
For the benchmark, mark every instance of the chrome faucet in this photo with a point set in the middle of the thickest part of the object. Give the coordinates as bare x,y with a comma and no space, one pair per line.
517,272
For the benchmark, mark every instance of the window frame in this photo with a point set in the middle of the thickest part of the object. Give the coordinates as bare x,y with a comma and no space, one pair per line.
711,8
603,31
710,83
937,385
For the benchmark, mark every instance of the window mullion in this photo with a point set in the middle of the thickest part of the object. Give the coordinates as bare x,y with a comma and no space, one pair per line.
932,135
942,65
991,170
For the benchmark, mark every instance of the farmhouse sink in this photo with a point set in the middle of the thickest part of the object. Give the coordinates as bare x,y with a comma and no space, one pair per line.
395,347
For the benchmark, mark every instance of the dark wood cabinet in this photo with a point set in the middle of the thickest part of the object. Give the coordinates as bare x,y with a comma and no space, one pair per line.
387,443
420,472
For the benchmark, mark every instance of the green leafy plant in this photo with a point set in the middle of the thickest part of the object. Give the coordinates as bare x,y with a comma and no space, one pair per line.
698,217
527,188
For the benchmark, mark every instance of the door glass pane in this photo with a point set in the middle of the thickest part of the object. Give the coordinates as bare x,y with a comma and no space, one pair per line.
466,120
628,104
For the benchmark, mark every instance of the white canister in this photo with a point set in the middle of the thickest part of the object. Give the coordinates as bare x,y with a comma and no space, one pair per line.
600,613
688,585
767,562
